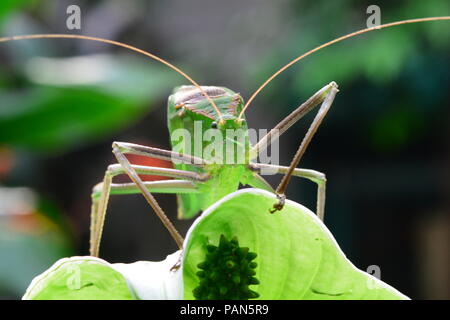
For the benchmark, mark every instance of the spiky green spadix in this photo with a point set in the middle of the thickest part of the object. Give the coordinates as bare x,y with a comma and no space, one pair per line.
227,272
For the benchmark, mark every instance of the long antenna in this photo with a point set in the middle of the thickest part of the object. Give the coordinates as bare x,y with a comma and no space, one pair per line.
119,44
350,35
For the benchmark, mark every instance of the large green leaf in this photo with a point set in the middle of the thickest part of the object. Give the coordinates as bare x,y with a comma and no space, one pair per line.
297,256
49,118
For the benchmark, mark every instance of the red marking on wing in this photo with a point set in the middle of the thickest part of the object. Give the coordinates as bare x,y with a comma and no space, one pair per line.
151,162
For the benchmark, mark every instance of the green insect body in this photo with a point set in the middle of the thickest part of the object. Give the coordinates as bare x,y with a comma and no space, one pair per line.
188,109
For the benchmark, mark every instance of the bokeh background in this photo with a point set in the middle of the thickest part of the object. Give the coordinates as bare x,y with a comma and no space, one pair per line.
385,145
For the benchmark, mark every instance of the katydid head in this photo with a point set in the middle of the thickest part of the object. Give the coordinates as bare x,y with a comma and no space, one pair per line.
188,104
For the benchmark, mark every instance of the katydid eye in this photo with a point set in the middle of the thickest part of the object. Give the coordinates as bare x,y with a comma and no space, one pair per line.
214,125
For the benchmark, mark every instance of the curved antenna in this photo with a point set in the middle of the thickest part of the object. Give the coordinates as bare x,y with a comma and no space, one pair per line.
119,44
350,35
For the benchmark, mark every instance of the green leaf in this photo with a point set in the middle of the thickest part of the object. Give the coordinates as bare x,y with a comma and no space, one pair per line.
79,278
297,257
50,118
7,6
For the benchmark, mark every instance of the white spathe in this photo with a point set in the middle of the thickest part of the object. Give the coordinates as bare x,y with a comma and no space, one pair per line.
154,280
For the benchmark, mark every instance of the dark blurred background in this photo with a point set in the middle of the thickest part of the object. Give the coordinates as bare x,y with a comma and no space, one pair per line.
385,145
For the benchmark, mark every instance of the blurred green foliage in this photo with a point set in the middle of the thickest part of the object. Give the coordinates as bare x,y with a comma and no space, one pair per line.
379,58
29,242
52,106
59,116
7,6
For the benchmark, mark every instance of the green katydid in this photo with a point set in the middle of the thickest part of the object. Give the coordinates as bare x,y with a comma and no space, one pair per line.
203,181
199,182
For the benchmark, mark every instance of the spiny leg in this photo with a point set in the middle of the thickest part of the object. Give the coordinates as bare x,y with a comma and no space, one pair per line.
102,191
315,176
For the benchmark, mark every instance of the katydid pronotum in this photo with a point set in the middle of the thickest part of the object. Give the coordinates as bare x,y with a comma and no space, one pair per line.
199,182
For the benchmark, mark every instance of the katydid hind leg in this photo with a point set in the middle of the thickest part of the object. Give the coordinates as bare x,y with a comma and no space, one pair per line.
132,174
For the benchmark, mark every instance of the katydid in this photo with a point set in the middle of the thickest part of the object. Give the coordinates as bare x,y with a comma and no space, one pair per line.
201,181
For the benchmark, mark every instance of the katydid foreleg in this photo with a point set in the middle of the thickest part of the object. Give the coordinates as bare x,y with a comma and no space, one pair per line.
161,186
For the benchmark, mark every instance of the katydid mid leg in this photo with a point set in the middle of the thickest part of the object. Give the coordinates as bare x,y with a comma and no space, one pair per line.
317,177
160,186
